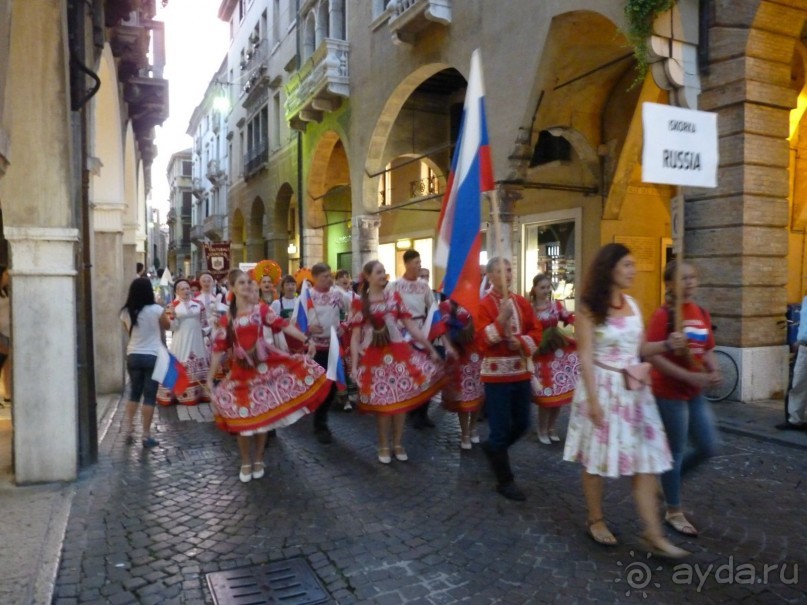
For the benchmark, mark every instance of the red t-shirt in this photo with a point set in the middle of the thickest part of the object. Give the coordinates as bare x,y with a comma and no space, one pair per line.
697,327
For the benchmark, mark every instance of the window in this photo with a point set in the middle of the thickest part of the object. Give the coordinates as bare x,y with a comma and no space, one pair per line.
275,21
264,31
187,203
242,10
257,152
187,168
276,120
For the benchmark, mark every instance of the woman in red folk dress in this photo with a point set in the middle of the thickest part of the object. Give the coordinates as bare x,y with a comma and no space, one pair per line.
266,388
464,391
557,366
393,377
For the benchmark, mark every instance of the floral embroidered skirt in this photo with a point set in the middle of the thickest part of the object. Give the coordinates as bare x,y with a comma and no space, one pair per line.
396,378
463,390
631,439
274,393
558,373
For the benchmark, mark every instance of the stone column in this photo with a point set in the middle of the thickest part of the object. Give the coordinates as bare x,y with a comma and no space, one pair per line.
277,247
313,246
256,249
507,197
737,234
110,280
364,240
44,372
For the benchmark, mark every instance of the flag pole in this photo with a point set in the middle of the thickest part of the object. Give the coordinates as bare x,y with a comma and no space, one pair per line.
493,196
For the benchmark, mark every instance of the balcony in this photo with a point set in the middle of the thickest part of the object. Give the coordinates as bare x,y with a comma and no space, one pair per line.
410,17
214,227
215,174
171,217
256,158
319,85
197,234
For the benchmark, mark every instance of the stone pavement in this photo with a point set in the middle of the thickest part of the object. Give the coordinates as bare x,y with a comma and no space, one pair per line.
146,527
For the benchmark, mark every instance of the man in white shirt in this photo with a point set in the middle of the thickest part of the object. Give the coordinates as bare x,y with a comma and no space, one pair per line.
329,307
417,296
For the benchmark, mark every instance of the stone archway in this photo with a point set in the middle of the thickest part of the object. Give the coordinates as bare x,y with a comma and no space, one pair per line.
737,233
255,242
238,239
284,229
328,176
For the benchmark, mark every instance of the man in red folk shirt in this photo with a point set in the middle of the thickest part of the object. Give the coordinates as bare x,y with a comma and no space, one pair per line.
507,334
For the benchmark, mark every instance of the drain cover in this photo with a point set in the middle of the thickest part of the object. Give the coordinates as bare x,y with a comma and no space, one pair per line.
198,454
291,582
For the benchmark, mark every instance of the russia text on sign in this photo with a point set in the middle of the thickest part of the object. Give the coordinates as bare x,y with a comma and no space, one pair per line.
680,146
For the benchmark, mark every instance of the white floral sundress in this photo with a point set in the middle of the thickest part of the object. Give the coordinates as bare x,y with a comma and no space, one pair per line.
631,439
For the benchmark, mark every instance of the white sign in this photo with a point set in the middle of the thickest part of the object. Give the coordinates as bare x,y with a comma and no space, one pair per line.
247,266
680,146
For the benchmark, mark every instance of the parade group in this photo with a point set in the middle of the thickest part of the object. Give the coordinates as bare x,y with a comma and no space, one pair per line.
258,353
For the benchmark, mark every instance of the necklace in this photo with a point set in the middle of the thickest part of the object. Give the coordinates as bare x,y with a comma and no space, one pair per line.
620,305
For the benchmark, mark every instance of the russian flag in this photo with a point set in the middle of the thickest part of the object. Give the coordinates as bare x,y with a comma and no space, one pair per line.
336,367
459,239
434,326
170,373
299,316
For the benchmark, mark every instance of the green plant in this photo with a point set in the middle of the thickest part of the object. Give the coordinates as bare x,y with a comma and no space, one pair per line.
640,15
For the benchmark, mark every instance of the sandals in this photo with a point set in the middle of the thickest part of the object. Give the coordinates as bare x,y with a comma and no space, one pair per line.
383,455
664,549
603,538
258,470
680,524
400,453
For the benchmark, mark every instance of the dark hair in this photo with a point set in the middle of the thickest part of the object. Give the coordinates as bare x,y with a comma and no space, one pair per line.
179,281
537,280
600,279
342,273
410,254
4,289
288,279
160,271
232,276
364,286
320,268
140,295
140,267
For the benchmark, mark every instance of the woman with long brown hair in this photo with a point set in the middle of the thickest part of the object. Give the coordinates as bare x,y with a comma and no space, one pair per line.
266,388
614,428
393,377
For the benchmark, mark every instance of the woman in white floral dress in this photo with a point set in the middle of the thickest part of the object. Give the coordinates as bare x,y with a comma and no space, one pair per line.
614,431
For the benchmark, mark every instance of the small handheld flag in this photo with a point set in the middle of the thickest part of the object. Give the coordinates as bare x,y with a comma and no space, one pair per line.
170,373
336,368
434,326
299,316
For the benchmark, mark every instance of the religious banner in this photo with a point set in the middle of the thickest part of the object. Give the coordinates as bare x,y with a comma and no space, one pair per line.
217,255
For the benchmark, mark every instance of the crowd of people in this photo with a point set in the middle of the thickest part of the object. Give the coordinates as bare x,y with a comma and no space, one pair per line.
635,395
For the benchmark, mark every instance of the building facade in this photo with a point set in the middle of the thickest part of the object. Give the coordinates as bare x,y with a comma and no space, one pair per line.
74,217
180,214
208,129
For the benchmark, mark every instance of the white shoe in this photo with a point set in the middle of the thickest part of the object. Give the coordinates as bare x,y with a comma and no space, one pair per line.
245,477
465,444
543,438
475,437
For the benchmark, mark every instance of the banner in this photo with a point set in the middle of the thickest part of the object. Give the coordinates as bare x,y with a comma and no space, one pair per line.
217,256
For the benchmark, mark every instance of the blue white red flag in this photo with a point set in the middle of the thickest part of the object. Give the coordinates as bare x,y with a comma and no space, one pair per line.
433,326
299,316
459,239
336,367
170,373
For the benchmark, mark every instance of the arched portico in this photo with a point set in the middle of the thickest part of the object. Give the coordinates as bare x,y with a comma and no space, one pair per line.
238,239
256,244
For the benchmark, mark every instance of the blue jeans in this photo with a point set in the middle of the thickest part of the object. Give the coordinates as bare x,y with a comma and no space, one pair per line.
507,407
140,368
683,421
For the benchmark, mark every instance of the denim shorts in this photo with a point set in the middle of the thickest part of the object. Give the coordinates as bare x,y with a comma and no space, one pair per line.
140,367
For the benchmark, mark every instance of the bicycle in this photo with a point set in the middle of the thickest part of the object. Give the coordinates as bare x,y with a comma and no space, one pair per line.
729,377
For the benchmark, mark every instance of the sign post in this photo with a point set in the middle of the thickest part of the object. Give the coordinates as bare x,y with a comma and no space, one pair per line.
680,148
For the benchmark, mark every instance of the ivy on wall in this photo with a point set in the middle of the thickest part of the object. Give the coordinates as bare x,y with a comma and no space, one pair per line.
640,15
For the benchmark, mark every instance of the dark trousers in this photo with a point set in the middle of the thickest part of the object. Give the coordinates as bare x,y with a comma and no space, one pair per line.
321,413
507,407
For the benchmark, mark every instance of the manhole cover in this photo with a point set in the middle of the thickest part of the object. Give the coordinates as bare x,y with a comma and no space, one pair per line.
197,454
291,582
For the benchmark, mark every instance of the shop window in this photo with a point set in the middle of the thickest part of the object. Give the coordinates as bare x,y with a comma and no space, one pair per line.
549,248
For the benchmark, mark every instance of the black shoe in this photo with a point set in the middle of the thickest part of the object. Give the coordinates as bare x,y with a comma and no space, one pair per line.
324,435
511,491
790,426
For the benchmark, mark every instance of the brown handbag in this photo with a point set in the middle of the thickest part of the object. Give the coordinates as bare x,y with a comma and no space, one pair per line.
636,375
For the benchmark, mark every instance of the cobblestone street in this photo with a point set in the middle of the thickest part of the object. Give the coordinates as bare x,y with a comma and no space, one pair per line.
146,527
